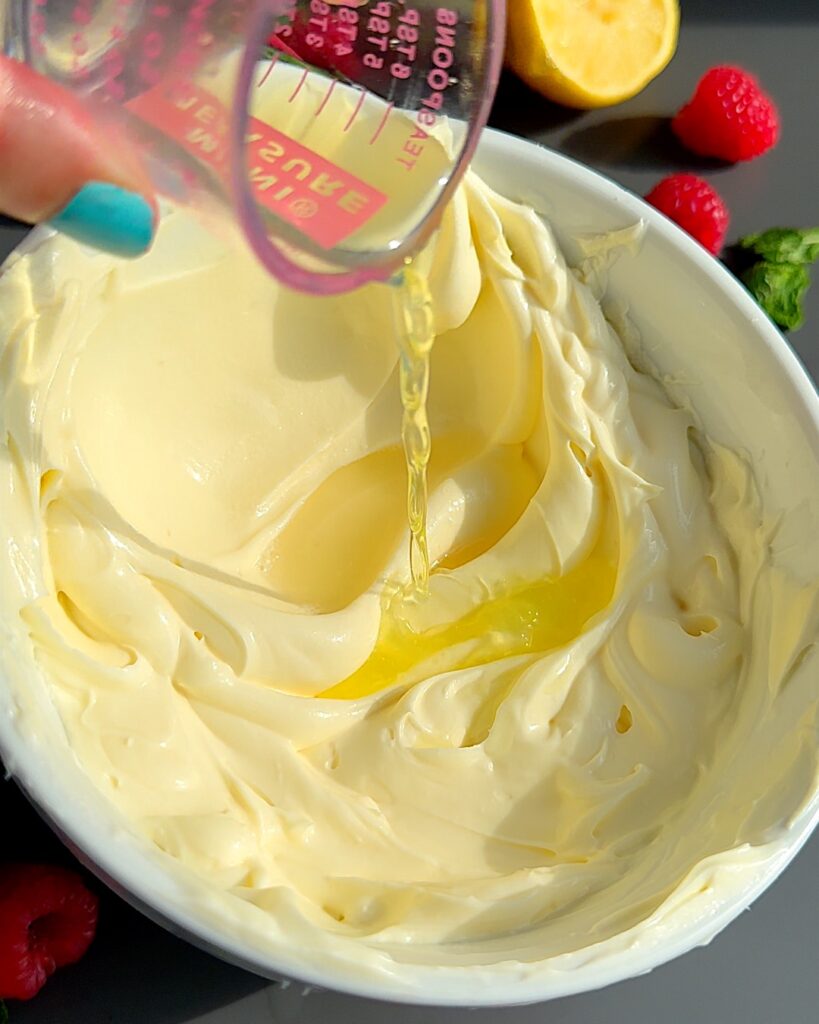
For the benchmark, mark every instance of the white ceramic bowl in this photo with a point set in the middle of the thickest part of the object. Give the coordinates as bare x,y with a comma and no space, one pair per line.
752,395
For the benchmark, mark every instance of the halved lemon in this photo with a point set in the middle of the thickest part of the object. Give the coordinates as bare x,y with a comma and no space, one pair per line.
590,53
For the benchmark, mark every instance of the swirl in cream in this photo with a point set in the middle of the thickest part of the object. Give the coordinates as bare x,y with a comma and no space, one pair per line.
205,489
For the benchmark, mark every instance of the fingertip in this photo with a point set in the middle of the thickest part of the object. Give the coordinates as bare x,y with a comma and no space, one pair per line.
110,218
52,146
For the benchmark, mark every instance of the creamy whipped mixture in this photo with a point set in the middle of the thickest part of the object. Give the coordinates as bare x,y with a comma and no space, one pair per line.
204,499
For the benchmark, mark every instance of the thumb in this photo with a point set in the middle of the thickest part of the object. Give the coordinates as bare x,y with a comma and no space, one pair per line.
57,164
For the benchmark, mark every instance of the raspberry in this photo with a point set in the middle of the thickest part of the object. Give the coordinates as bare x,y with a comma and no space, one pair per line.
331,49
695,206
47,920
729,116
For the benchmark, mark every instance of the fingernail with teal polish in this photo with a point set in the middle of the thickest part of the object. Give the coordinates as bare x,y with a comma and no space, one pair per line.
108,217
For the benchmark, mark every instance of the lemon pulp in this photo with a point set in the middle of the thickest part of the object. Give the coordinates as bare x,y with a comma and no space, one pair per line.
590,53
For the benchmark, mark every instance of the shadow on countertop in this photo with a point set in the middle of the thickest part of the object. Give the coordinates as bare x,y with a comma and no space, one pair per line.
643,142
750,10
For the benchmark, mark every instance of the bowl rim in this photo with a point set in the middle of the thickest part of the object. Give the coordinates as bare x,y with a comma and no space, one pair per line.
137,878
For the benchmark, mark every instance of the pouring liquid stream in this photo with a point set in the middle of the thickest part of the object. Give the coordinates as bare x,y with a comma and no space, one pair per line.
516,617
416,334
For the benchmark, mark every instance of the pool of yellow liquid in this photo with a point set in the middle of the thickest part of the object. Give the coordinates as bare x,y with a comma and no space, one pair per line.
529,618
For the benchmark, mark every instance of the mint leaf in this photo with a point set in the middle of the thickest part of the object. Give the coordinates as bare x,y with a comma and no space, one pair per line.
4,1013
784,245
779,288
269,53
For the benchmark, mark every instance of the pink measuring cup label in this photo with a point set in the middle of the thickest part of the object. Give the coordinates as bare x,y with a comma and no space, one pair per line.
324,201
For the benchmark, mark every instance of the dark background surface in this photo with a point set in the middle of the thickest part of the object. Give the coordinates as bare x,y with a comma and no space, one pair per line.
765,968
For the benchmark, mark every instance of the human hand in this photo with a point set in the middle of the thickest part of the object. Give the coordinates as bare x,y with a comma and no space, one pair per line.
58,165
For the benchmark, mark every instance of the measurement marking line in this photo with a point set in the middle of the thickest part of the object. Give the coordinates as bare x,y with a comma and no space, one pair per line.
380,128
354,114
266,75
323,103
297,90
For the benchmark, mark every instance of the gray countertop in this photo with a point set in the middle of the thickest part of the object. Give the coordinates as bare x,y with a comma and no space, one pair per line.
764,969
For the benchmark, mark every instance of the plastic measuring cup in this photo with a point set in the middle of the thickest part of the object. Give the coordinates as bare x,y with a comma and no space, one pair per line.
334,148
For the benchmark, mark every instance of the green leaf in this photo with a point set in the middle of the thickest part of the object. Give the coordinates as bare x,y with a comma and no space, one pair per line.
4,1013
779,288
269,53
784,245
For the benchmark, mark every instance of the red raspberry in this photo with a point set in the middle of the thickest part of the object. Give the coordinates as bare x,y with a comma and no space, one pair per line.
729,116
695,206
47,920
330,49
